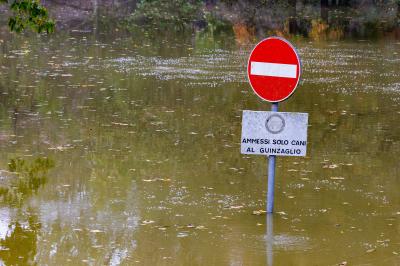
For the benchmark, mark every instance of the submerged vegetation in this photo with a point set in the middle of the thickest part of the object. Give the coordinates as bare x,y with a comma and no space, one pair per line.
25,179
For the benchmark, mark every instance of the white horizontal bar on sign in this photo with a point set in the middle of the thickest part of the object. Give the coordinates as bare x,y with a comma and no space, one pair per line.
273,70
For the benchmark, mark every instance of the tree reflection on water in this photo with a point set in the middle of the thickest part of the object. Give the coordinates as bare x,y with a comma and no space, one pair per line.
19,245
19,234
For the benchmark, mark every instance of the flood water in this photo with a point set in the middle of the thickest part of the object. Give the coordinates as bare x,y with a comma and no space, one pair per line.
144,135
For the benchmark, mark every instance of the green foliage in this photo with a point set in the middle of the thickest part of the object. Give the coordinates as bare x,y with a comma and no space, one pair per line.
28,178
29,13
215,24
178,14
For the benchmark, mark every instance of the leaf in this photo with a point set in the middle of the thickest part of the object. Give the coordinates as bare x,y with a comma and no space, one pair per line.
200,227
259,212
371,250
237,207
145,222
337,178
29,13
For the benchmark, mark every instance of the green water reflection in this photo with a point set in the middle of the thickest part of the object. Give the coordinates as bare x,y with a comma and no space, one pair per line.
148,171
18,240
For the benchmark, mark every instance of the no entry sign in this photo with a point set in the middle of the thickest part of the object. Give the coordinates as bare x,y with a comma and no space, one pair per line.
274,69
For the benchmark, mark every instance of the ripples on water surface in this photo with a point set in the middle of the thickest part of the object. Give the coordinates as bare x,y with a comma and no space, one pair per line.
148,168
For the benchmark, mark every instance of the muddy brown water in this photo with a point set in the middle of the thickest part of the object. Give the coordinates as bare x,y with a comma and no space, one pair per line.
145,138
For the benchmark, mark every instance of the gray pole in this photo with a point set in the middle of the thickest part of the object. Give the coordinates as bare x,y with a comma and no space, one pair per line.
270,239
271,173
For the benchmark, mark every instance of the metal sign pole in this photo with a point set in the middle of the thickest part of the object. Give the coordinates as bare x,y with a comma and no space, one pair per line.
271,173
270,239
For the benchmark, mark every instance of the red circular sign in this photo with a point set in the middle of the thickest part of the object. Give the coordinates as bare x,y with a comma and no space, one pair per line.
274,69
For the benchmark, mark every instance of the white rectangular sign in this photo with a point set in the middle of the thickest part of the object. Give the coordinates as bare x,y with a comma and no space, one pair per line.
273,70
274,133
